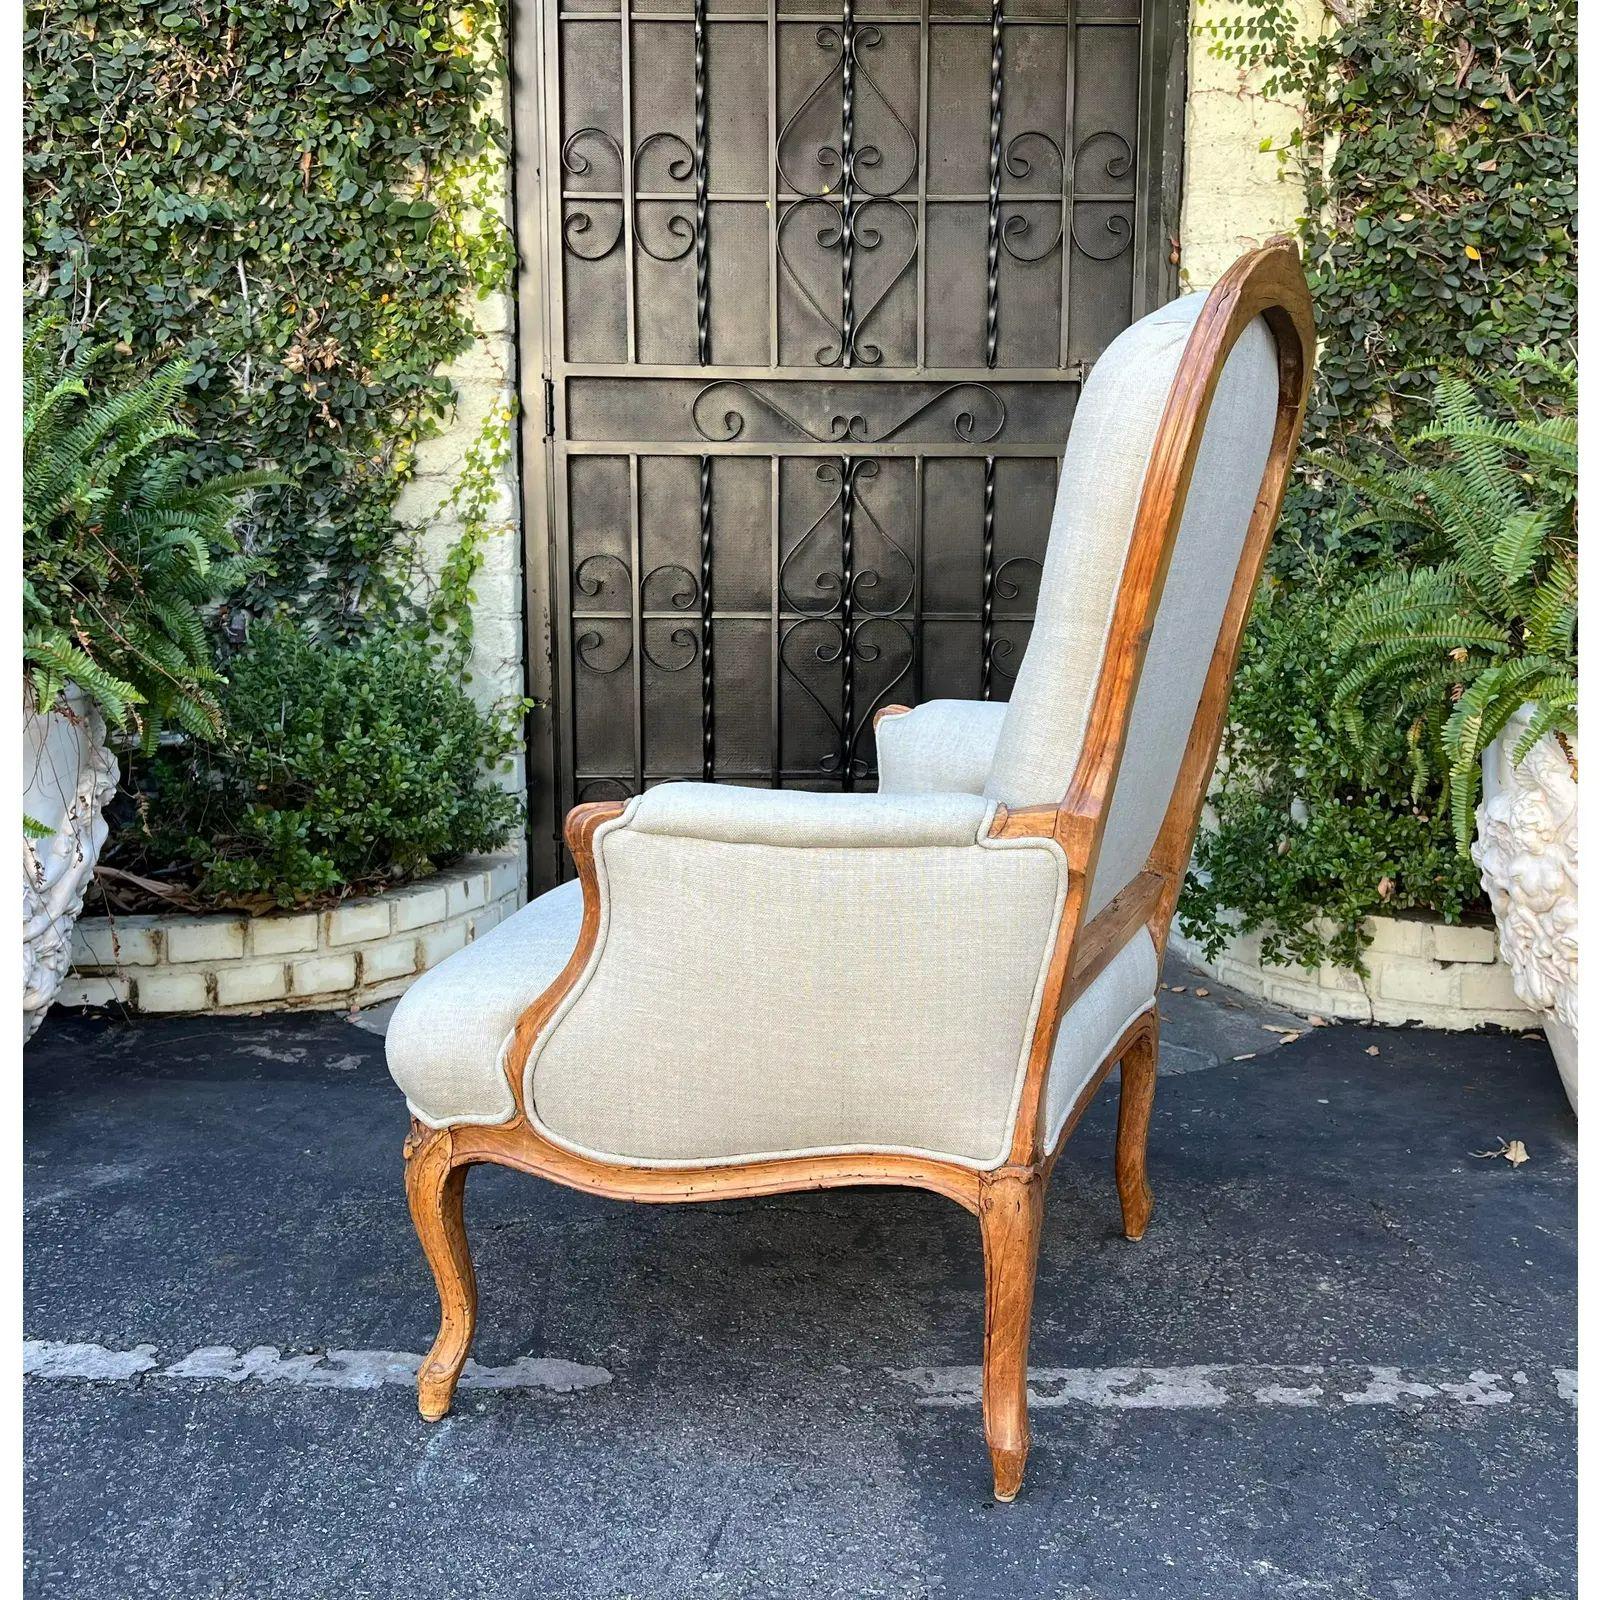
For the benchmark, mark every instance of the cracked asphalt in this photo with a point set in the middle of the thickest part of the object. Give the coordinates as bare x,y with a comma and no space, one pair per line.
779,1407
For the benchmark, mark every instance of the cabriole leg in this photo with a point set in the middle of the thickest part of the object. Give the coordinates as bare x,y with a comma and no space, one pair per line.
1011,1208
1133,1128
436,1190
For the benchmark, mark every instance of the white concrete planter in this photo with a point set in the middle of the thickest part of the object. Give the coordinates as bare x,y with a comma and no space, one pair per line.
1527,851
68,775
361,951
1418,971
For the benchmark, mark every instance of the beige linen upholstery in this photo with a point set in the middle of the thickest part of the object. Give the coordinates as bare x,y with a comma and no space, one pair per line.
866,978
1102,474
786,973
444,1039
940,746
868,984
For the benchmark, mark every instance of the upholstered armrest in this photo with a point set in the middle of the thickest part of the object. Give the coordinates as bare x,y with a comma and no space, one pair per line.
791,818
943,745
863,970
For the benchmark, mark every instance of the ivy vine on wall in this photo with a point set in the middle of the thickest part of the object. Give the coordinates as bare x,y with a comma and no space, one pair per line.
1438,150
1438,154
290,196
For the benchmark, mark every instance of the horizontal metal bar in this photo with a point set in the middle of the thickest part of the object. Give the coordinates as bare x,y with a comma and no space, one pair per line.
765,615
887,19
1075,373
906,196
934,449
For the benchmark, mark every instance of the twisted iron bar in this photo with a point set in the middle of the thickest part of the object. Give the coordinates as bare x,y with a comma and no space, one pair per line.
847,556
987,681
702,259
708,714
702,317
991,341
847,174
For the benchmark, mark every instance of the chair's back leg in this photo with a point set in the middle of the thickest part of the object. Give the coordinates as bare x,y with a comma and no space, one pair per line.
1133,1127
436,1188
1010,1211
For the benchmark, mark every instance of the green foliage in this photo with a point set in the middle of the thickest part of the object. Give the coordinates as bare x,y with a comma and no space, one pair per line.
473,499
1315,831
1481,615
1439,154
289,198
1438,151
121,545
346,768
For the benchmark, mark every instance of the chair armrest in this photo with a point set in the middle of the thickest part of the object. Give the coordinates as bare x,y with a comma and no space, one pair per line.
829,946
942,746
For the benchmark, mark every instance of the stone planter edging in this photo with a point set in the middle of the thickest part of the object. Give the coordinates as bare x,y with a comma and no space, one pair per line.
356,953
1419,971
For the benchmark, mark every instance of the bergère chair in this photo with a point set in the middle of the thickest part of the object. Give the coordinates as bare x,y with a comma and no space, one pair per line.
920,986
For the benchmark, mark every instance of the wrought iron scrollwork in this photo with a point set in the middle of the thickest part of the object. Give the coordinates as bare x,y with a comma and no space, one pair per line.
589,646
848,42
849,168
1017,226
590,583
577,220
684,638
681,599
854,604
870,651
847,345
680,228
827,582
1000,660
1004,587
1118,165
822,641
978,421
868,581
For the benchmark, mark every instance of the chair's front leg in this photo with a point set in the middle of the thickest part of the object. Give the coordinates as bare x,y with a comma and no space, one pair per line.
436,1189
1010,1211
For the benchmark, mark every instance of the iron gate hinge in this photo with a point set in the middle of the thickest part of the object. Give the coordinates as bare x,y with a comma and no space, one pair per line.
549,409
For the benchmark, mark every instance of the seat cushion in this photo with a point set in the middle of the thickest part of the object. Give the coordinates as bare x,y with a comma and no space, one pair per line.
446,1034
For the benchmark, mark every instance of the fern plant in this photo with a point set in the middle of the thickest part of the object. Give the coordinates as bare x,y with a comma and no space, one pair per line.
120,549
1480,616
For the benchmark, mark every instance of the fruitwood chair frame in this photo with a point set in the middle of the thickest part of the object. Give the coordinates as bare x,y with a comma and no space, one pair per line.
1008,1201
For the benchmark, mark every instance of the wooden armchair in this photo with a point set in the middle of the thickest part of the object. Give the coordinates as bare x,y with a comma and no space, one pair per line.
927,985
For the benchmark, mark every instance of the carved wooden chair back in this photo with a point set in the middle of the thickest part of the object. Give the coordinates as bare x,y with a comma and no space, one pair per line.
1219,440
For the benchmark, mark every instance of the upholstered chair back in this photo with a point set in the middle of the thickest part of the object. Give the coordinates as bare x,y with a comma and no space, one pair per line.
1097,499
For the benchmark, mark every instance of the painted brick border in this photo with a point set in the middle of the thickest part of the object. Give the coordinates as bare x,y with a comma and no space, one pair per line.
353,954
1420,971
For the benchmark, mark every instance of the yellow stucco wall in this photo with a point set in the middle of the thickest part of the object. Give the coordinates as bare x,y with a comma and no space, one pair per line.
1235,194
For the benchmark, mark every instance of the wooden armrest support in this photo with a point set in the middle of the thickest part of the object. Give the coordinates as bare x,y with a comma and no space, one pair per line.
1025,822
888,711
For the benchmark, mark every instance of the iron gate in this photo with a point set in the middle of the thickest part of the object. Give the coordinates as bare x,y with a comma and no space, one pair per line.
814,292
